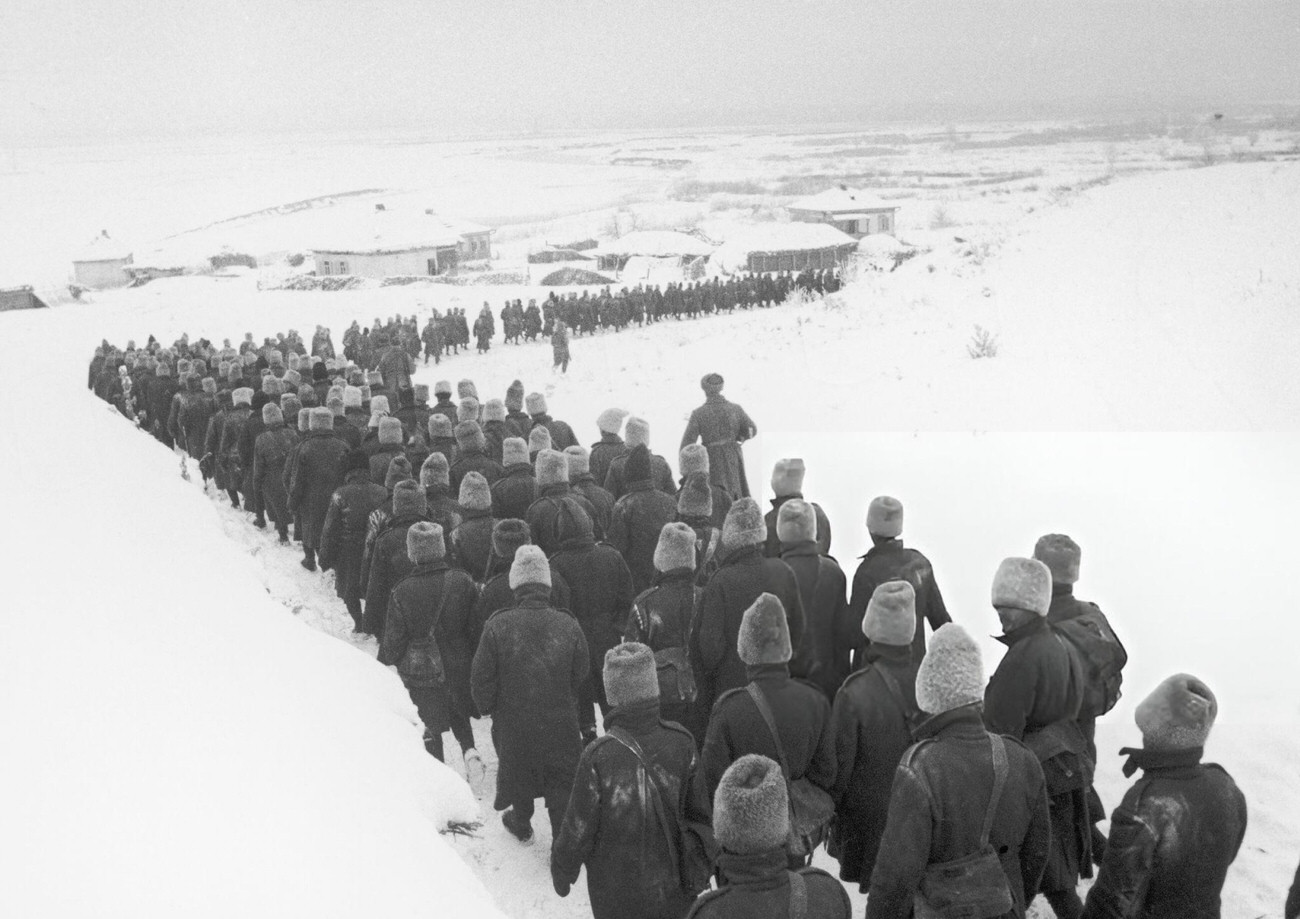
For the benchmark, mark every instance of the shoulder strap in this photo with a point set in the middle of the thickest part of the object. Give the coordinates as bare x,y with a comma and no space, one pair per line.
895,690
651,791
798,895
763,709
999,780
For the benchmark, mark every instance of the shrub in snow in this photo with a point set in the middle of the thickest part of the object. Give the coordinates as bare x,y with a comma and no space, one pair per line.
940,218
983,343
296,259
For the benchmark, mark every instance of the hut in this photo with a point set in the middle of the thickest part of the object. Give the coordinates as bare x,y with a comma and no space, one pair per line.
20,298
103,263
854,212
400,243
791,246
674,246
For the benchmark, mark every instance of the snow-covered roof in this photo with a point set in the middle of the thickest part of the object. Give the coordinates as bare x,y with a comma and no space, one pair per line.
103,248
392,231
657,244
842,200
795,236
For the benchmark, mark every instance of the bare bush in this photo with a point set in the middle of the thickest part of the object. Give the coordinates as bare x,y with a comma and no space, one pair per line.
983,343
940,217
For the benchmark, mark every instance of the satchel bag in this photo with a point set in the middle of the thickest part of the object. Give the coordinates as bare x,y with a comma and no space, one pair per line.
811,808
973,886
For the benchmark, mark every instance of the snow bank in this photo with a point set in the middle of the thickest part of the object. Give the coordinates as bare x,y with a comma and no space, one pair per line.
177,744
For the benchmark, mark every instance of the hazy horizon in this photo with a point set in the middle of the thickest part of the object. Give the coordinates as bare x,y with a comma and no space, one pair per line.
151,69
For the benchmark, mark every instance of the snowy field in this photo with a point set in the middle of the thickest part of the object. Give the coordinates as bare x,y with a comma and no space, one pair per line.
183,745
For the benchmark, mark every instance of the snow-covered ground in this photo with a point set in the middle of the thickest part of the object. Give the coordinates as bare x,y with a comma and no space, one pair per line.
183,745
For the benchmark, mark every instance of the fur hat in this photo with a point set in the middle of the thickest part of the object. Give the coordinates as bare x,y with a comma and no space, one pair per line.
764,636
351,397
272,415
390,431
365,394
422,393
515,396
435,470
469,436
744,525
374,378
1061,556
162,370
579,461
290,403
796,521
787,477
425,543
304,425
611,419
636,468
292,378
321,419
1177,715
573,522
442,388
536,403
467,410
408,499
236,371
630,674
711,383
183,367
308,395
552,468
475,495
465,389
539,439
676,548
275,358
355,461
693,458
529,567
399,470
952,673
210,386
885,517
751,807
514,450
637,431
696,497
891,614
439,425
1023,583
508,535
335,405
242,396
494,410
379,405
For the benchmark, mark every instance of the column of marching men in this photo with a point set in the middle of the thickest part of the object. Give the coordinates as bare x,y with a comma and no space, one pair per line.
756,703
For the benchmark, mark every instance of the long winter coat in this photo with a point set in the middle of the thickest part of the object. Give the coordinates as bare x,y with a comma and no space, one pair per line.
600,588
442,508
544,515
228,461
396,367
613,830
722,426
602,502
561,434
496,595
872,729
661,477
936,809
469,546
888,561
530,662
603,453
387,564
514,492
317,475
1064,607
212,445
474,460
270,453
343,536
380,460
822,657
803,719
439,601
347,432
1171,841
192,416
1038,683
758,887
737,584
661,618
772,548
638,518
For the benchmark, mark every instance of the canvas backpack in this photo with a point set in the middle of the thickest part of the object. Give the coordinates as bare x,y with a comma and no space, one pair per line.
1103,658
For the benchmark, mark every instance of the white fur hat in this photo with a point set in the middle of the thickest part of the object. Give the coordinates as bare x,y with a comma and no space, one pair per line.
952,673
787,477
1023,583
536,403
529,567
885,517
637,432
552,468
796,521
891,614
611,419
579,461
676,547
764,636
514,450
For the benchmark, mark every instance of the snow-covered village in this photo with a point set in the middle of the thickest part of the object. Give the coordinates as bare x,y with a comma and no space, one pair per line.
651,461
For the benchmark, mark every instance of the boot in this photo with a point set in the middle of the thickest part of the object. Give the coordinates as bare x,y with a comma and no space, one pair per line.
309,559
519,827
259,521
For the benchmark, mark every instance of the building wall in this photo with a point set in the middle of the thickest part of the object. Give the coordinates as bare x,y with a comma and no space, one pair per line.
384,265
475,247
101,274
876,222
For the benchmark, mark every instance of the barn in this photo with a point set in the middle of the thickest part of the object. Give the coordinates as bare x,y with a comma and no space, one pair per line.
391,243
102,264
19,298
767,247
849,210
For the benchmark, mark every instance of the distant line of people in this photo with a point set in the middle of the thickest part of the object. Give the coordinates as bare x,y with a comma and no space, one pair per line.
756,703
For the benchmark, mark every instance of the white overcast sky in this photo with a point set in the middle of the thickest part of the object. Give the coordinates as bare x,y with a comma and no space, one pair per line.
113,68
